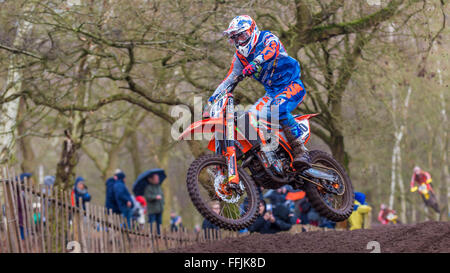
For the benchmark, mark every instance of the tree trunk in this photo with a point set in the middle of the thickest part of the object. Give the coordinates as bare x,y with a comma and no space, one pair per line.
133,149
393,172
445,177
10,110
402,188
338,150
65,169
28,158
396,174
163,157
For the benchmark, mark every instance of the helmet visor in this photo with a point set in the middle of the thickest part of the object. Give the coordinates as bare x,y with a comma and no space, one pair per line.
239,39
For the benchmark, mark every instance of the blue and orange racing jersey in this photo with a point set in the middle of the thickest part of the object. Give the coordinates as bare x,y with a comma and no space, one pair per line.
276,69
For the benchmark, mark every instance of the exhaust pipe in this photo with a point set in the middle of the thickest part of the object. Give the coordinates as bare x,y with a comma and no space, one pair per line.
320,175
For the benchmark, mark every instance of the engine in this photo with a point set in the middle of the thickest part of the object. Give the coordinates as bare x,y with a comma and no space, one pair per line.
277,161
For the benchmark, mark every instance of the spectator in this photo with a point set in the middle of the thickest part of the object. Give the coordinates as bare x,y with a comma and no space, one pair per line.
313,217
175,222
27,176
49,181
155,201
22,208
271,222
123,197
283,218
139,209
215,206
197,228
303,209
80,190
326,223
207,226
37,213
260,192
360,210
260,221
277,196
110,199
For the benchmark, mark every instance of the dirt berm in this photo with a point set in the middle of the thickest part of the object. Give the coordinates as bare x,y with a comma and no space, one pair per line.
423,237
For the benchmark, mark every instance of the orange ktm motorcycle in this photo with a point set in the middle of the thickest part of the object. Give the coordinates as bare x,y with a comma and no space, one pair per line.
251,152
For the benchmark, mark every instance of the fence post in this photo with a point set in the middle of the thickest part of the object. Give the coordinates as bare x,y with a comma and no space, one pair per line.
25,214
13,225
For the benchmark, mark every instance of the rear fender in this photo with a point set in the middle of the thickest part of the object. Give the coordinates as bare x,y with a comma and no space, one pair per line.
305,127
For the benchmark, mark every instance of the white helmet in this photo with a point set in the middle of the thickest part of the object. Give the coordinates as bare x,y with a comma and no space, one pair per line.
243,34
416,169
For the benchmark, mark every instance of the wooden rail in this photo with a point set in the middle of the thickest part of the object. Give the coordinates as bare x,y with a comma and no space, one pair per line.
37,219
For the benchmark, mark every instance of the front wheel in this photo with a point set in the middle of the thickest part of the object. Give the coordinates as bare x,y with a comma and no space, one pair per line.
334,207
206,183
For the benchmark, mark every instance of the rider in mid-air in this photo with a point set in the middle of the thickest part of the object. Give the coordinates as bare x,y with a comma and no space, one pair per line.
383,214
261,54
420,177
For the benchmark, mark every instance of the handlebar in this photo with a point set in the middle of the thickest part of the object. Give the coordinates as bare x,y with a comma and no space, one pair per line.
230,88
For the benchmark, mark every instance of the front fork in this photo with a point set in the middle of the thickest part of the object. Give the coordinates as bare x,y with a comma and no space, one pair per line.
230,148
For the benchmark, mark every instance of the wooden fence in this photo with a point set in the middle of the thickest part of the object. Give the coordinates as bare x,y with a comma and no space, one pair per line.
37,219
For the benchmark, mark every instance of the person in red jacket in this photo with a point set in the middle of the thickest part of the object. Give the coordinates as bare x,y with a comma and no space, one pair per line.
420,177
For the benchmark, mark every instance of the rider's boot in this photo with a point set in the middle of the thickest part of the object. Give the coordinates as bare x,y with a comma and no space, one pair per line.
302,160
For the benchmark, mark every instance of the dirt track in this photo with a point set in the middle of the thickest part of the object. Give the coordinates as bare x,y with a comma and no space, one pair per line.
423,237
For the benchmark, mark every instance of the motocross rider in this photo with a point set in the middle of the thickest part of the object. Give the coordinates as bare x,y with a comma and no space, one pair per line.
382,215
262,55
421,177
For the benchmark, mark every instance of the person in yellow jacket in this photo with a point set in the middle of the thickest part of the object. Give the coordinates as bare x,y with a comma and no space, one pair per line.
360,211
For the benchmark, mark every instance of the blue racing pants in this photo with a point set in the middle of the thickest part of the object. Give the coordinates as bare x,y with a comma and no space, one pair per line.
282,103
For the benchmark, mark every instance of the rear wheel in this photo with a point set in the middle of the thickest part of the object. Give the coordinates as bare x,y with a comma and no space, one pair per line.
432,203
206,183
332,206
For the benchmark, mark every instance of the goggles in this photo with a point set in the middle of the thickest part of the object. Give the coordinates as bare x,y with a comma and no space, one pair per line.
239,39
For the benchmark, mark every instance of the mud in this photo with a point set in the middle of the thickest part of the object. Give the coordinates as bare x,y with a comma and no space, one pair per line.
427,237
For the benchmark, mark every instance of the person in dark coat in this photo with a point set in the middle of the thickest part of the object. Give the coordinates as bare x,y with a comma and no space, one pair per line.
110,199
303,209
22,207
176,222
154,196
207,226
283,218
80,190
271,220
277,196
326,223
260,221
123,197
49,181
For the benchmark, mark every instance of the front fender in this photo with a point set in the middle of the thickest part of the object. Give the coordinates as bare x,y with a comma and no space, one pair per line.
202,126
212,125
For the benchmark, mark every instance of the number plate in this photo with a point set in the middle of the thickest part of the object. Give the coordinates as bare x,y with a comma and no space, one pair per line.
422,188
304,127
216,108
